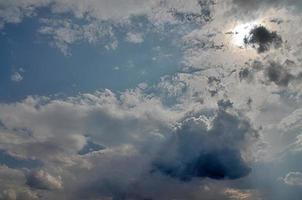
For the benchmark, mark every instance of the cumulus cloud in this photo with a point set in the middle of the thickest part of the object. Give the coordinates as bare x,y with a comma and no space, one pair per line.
144,142
59,130
212,149
43,180
13,185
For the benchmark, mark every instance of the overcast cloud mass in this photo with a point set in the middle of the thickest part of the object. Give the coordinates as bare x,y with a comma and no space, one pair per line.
150,100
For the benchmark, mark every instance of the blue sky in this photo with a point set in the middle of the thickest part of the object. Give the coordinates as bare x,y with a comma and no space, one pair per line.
46,71
153,99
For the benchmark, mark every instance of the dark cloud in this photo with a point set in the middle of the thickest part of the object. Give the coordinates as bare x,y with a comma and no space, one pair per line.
262,39
205,14
221,164
198,151
224,104
278,74
244,73
273,71
212,79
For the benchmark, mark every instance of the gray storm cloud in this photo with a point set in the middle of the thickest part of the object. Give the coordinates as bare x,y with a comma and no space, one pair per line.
262,39
206,149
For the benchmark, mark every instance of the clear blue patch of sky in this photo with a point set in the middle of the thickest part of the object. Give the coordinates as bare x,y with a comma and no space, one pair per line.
18,163
90,67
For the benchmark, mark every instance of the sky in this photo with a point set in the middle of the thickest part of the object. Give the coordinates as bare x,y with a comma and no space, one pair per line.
150,100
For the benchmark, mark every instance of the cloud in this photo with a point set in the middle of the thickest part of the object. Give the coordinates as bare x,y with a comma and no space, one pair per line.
13,185
65,32
205,14
57,130
237,194
179,129
135,38
292,121
18,194
16,77
262,39
293,179
202,148
256,5
93,21
14,11
43,180
279,75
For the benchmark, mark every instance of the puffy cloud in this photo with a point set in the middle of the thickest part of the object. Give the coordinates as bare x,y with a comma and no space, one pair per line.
111,142
278,75
261,39
43,180
134,38
13,185
293,179
57,129
204,148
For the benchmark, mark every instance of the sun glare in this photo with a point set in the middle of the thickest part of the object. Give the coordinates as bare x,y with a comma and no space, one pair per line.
241,31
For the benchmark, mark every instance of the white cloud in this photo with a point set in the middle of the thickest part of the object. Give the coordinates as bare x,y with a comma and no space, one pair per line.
16,77
134,38
43,180
14,11
133,125
236,194
94,15
60,125
64,33
293,179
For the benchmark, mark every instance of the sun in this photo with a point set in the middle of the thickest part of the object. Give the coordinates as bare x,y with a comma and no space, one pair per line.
241,31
